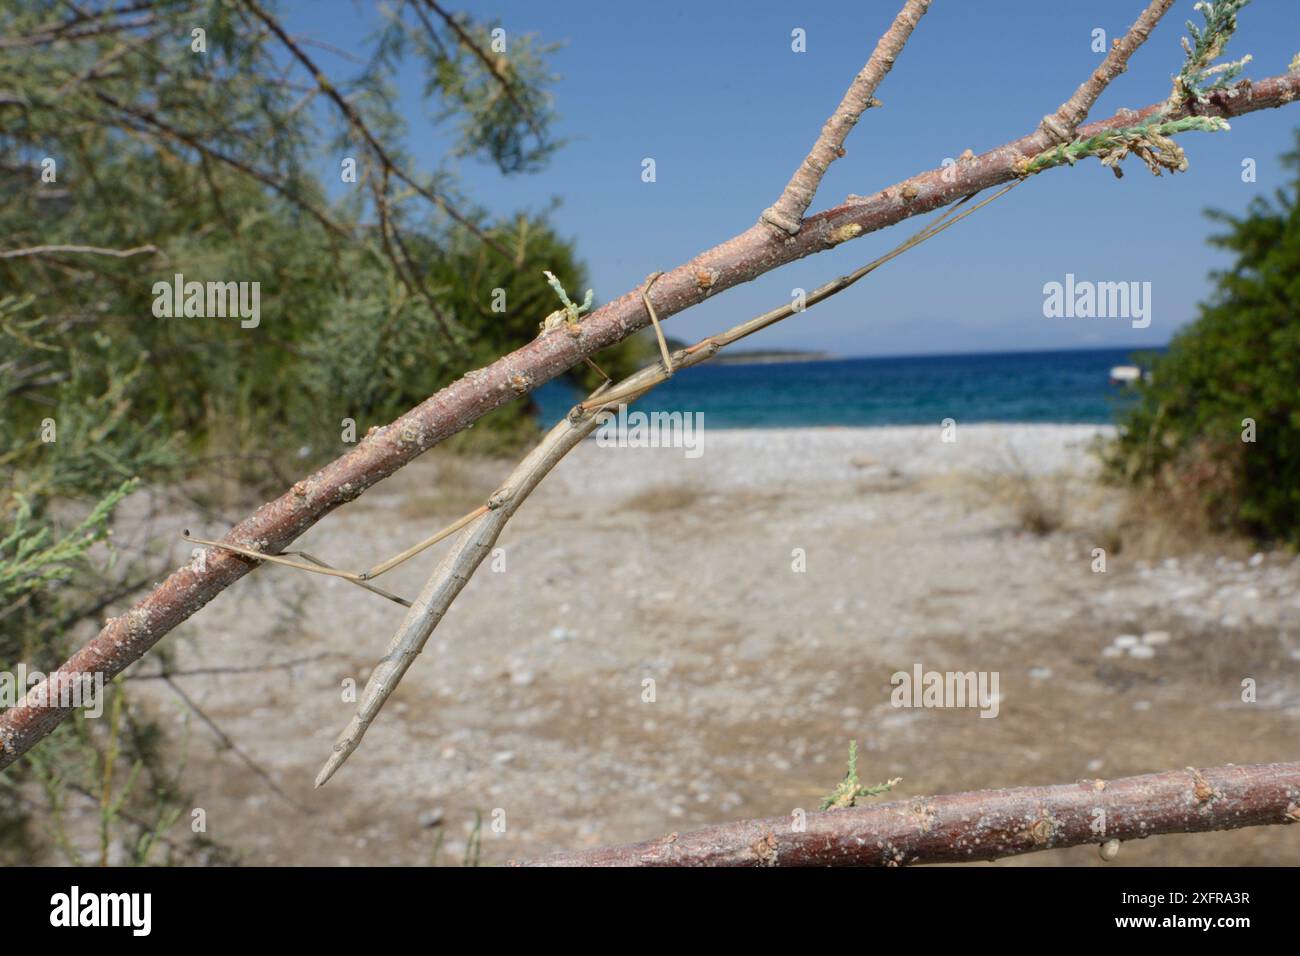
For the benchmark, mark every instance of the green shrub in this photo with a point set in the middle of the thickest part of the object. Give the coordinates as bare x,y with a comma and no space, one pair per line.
1189,436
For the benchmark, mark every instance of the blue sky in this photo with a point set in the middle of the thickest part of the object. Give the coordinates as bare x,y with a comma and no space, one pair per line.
713,92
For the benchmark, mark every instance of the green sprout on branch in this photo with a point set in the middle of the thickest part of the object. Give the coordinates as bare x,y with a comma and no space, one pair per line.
1149,142
572,311
848,791
1200,75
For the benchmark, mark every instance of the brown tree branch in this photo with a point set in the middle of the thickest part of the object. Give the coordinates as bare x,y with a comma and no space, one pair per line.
979,825
787,212
756,251
1062,124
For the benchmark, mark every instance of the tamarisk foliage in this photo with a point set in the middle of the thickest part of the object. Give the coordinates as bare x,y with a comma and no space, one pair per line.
159,138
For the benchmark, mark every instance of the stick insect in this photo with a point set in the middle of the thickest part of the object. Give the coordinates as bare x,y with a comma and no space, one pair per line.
480,528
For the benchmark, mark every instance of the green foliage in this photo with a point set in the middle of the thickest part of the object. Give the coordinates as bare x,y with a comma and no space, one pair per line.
71,450
30,560
108,795
850,789
1148,141
64,476
502,110
228,165
1239,360
372,295
1200,76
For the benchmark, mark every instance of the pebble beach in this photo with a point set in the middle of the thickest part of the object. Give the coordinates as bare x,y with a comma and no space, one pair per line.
667,642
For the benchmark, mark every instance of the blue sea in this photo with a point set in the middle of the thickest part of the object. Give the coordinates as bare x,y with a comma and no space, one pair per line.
1067,387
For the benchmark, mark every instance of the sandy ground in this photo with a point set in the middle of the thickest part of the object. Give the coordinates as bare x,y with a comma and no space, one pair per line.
632,565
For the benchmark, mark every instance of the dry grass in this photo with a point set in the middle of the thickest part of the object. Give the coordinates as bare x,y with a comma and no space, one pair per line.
1039,504
1139,524
663,498
1143,525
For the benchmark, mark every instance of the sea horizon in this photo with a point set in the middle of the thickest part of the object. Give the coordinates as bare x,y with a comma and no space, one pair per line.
1054,386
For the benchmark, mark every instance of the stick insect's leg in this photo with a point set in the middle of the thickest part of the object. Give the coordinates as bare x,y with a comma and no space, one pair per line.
361,584
274,558
428,542
654,320
316,566
599,371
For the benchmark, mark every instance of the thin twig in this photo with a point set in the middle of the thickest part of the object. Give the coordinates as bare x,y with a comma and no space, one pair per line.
222,671
491,65
356,577
787,212
407,272
654,320
103,29
151,120
359,125
91,250
1061,125
222,736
